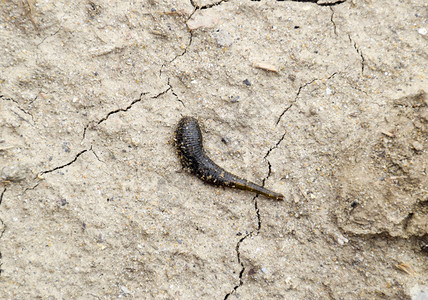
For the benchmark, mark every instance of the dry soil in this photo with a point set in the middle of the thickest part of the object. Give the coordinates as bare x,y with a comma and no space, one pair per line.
323,101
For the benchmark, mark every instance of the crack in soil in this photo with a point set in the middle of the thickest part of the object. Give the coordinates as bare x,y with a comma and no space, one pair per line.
181,54
274,147
1,195
67,164
285,110
175,95
298,94
120,109
185,49
96,123
295,98
238,245
95,154
332,20
48,36
256,207
322,3
30,188
199,6
162,93
259,223
242,267
359,51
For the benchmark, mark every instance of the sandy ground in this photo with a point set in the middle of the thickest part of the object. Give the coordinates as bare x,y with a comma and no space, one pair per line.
323,101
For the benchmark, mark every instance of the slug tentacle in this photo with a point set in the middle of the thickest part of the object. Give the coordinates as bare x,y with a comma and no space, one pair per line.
188,138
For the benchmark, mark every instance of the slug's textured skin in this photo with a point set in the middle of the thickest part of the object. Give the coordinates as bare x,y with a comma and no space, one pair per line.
188,138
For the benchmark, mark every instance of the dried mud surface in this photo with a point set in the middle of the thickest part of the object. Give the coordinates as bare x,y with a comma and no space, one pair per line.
323,101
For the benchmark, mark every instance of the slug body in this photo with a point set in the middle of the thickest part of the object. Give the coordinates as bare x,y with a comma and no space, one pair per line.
190,149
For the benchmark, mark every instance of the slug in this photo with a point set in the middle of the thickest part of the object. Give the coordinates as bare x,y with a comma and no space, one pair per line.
188,141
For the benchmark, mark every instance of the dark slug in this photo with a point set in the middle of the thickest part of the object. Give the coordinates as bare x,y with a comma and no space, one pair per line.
188,141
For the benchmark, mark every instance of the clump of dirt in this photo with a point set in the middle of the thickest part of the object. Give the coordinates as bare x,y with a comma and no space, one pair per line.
383,187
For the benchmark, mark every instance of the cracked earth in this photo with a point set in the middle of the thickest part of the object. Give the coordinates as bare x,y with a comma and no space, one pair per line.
323,101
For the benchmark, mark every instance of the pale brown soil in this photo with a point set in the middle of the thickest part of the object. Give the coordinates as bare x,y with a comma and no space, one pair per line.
323,101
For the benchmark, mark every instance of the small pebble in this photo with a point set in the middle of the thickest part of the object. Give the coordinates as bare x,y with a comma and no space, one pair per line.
419,292
247,82
423,31
234,99
223,38
417,146
13,173
202,21
66,147
125,290
341,240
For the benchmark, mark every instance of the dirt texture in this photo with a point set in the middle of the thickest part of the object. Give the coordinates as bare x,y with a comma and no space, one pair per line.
323,101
